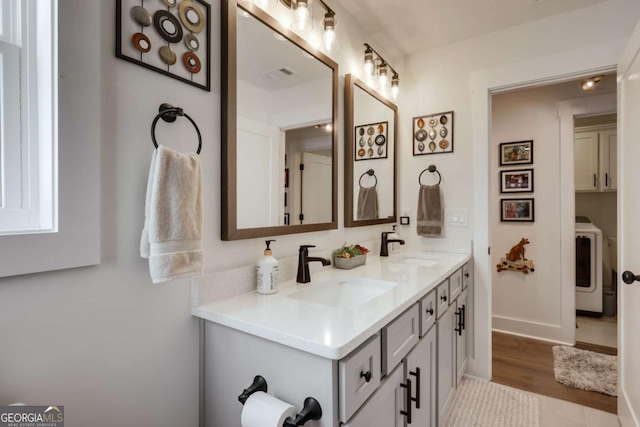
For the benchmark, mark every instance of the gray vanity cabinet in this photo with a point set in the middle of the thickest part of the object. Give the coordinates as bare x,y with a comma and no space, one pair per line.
411,365
421,369
385,408
446,360
462,335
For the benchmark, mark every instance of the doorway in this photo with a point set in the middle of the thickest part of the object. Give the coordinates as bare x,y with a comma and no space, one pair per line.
536,310
596,229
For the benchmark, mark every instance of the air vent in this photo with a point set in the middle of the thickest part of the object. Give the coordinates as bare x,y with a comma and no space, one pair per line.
279,73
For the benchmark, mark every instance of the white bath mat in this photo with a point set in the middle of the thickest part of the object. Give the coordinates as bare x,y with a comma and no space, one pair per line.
479,403
586,370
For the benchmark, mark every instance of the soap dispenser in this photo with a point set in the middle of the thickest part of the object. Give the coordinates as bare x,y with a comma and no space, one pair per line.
394,247
267,272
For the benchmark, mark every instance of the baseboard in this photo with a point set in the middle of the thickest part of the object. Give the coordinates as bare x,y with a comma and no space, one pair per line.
532,337
588,313
625,413
528,329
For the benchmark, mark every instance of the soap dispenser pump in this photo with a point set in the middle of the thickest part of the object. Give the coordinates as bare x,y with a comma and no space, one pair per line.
267,277
394,247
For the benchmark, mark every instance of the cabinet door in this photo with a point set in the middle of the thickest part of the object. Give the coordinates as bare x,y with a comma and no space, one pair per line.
461,336
446,360
586,161
385,406
467,275
609,159
455,284
421,370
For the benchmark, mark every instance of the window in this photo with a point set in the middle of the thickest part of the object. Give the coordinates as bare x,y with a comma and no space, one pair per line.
59,206
28,116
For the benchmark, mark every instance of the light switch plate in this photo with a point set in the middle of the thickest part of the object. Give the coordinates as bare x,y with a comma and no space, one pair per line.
456,217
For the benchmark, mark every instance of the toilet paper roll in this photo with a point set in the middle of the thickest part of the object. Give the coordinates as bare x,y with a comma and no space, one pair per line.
263,410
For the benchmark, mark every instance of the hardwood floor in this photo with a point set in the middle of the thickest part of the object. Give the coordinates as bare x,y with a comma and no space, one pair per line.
527,364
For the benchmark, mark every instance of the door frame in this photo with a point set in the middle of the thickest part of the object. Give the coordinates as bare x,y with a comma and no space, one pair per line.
552,69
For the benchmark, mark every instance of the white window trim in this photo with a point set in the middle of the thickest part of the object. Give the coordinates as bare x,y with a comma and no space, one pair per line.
77,240
29,102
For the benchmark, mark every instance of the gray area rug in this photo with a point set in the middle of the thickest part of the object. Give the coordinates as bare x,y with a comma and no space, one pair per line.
479,403
585,369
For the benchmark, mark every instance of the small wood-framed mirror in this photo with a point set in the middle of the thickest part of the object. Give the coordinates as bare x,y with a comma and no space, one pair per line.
279,133
370,159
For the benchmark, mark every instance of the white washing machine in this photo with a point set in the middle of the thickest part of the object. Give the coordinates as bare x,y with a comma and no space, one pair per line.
588,269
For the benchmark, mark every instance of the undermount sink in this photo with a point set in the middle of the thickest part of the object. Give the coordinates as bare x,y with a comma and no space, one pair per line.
422,259
344,292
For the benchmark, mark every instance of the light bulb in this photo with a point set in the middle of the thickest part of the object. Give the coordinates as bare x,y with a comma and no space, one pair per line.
395,86
302,14
302,18
264,4
368,62
329,35
383,78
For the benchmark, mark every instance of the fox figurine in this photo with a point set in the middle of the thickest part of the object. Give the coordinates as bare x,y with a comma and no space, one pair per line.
517,252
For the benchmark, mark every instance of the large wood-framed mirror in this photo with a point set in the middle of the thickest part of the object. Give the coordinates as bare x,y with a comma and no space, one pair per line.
279,133
371,130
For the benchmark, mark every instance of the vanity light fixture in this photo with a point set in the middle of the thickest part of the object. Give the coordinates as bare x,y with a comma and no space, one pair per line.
377,71
590,83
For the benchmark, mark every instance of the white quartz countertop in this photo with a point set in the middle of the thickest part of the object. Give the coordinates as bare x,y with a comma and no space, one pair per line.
327,331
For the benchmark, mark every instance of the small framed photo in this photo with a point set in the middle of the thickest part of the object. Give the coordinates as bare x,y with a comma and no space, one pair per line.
516,210
516,181
516,153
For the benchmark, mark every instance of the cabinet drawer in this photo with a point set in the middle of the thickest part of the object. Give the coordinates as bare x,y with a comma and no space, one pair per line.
442,297
427,312
399,337
467,275
354,370
455,285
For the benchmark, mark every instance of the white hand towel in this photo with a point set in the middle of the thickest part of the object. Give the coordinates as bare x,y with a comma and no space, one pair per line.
172,234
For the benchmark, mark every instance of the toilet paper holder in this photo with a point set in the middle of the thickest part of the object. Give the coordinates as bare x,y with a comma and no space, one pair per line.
311,409
259,384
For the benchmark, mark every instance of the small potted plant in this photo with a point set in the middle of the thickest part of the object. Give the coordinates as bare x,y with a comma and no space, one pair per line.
349,256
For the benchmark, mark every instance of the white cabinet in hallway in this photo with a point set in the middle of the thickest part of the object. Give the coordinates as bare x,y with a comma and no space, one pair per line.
586,161
596,163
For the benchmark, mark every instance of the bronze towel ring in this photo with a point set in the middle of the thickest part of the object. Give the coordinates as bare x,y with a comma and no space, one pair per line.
432,169
169,114
370,172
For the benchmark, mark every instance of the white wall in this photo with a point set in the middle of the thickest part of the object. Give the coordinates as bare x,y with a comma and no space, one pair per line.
532,304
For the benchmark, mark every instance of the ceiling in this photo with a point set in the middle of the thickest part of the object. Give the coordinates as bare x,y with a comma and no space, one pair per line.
404,27
261,57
